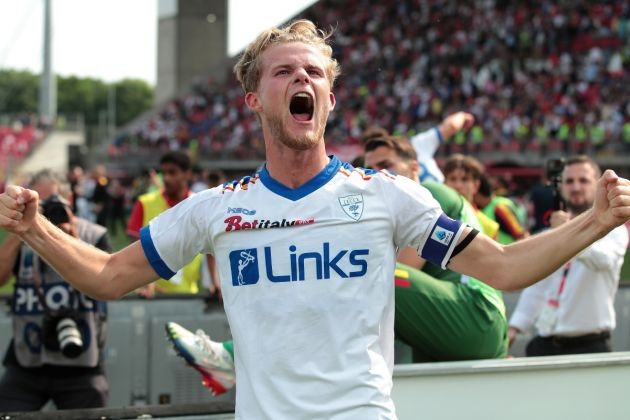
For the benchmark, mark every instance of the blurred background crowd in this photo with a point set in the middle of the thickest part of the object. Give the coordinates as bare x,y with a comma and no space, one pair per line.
536,75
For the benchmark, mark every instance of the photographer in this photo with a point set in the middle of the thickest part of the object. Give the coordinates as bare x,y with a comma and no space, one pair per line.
573,308
545,198
58,333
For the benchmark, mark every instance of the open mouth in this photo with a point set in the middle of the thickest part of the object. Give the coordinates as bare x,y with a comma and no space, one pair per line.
301,106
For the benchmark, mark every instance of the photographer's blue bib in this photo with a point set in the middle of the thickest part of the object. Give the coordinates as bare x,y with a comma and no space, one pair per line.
28,313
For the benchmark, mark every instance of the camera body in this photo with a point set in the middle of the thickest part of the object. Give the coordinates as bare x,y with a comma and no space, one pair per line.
61,332
554,170
56,209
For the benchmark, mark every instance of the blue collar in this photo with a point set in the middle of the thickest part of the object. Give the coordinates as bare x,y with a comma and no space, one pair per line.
313,184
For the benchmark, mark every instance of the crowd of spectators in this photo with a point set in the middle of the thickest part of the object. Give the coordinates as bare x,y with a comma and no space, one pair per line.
18,137
536,75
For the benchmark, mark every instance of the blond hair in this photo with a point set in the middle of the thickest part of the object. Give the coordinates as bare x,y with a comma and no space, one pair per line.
247,69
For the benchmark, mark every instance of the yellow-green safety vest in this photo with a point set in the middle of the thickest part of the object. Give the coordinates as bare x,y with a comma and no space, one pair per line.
186,280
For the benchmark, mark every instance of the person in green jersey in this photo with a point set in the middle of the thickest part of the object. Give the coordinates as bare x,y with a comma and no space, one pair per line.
500,209
441,314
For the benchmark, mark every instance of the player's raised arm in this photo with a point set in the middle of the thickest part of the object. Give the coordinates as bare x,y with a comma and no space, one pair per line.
94,272
456,122
521,264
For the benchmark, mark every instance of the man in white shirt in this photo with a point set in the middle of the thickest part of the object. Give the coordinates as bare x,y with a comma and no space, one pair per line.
573,309
309,245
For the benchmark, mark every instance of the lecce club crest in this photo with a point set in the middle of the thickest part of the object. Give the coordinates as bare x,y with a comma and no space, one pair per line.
352,205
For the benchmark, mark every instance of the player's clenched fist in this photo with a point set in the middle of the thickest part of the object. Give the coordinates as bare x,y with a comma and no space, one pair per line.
18,208
612,200
619,198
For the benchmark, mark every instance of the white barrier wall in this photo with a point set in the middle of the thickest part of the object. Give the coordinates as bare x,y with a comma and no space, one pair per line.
587,387
143,370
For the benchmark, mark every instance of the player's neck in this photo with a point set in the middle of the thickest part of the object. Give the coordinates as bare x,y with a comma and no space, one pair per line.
293,168
176,196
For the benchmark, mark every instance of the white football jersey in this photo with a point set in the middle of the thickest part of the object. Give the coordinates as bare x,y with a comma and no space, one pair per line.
307,277
425,145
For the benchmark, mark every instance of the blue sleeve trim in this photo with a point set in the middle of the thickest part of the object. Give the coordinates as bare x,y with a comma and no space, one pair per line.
437,130
442,240
152,255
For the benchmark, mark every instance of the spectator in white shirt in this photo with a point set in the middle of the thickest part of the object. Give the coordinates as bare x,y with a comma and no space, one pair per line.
572,309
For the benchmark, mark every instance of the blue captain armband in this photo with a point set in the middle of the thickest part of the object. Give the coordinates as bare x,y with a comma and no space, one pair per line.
442,240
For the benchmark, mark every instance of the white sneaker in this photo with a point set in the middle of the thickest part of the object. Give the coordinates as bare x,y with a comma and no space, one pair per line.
210,358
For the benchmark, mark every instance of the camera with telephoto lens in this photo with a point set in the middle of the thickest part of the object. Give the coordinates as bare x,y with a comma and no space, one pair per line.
61,332
56,209
554,175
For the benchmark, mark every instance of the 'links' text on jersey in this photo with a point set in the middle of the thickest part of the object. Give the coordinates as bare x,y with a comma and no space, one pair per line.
344,264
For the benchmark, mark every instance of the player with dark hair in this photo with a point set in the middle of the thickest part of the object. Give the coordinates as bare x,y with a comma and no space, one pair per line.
176,172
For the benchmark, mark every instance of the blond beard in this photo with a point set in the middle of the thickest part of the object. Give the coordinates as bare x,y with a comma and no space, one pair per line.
306,142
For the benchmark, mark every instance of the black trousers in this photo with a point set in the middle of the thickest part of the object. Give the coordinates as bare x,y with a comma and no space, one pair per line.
21,390
554,346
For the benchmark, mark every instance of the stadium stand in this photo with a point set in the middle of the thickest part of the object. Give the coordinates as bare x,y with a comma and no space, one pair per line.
538,77
17,140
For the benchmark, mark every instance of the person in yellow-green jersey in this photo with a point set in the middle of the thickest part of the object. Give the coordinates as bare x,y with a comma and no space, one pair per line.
176,173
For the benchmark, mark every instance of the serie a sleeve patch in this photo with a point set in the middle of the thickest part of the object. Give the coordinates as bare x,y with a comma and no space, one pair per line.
442,240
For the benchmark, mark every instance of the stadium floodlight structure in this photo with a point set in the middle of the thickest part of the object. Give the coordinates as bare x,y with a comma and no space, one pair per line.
192,45
48,85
